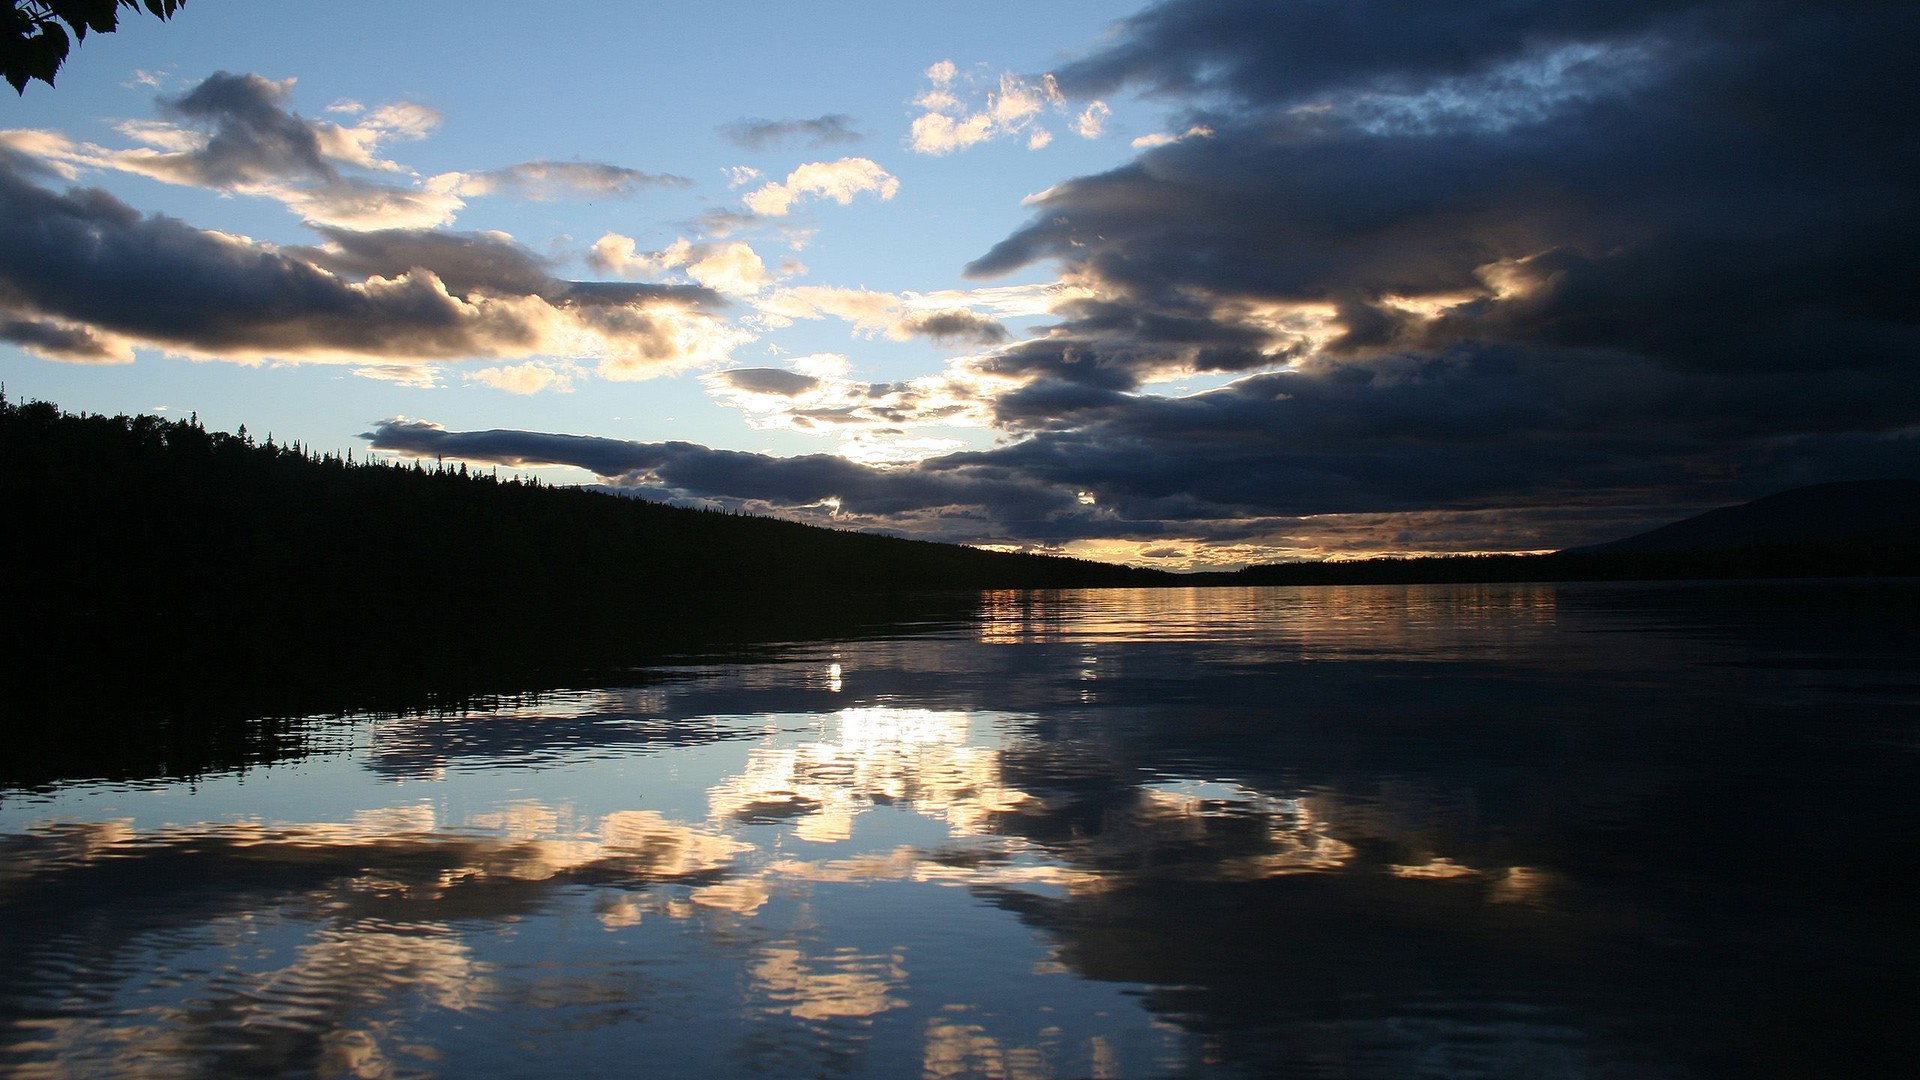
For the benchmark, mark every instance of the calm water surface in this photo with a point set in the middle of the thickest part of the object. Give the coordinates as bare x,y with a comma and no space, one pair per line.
1499,831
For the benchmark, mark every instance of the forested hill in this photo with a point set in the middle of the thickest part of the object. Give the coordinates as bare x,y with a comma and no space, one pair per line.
1860,528
155,522
1850,512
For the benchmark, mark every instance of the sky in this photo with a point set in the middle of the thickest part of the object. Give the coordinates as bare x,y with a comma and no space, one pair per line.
1189,285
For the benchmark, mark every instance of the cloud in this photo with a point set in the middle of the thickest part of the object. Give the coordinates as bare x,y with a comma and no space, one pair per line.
837,180
528,378
64,341
769,381
1481,256
955,326
732,268
1494,276
1013,107
1092,121
688,470
89,266
237,134
544,181
872,420
1252,470
720,224
360,144
942,317
251,136
351,203
1161,138
758,134
1249,51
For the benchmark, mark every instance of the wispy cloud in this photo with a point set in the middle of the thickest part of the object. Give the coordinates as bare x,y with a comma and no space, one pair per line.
544,181
956,113
758,134
239,134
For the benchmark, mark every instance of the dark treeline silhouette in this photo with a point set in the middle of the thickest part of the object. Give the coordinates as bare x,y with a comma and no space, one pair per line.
121,515
158,568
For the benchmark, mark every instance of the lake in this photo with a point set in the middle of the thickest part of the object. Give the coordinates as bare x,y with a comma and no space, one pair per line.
1611,831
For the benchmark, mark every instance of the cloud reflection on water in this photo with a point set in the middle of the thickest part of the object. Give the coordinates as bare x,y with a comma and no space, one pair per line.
1459,860
386,909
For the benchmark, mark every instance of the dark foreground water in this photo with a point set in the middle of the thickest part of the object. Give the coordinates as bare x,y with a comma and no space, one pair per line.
1478,831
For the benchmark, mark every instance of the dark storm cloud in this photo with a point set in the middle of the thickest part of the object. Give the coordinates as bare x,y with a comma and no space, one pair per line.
1517,253
85,256
757,134
1461,430
1118,345
1288,52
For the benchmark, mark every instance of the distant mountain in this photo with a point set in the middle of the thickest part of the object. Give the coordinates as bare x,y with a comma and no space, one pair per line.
1865,528
1848,513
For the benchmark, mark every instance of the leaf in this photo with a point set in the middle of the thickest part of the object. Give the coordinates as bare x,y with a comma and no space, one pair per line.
33,44
41,55
101,16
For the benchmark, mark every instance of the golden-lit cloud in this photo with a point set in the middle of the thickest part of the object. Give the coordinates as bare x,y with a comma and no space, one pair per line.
1091,123
1162,138
1008,107
527,378
838,180
359,143
732,267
